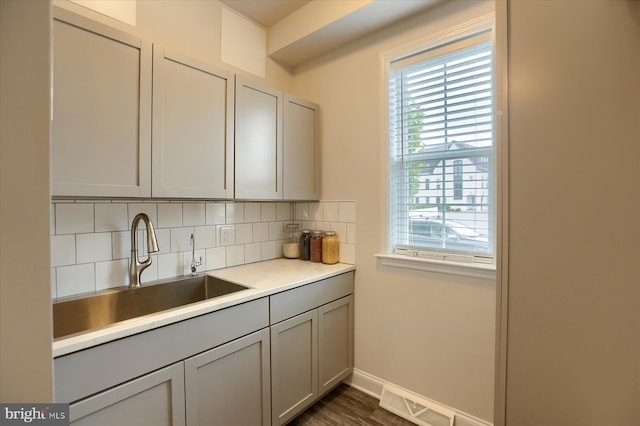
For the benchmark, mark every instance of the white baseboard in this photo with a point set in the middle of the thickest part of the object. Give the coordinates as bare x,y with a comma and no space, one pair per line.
372,385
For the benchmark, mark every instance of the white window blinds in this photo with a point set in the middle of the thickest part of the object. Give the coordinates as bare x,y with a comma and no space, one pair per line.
441,152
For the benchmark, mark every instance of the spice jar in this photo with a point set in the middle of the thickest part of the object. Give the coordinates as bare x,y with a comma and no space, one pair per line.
330,248
316,246
305,244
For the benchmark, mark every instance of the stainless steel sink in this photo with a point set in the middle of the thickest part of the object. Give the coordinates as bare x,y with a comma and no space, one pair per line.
101,309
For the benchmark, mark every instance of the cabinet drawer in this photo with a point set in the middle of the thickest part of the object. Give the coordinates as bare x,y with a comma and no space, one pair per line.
89,371
293,302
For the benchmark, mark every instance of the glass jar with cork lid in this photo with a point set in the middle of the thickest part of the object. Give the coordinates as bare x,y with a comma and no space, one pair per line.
316,246
330,248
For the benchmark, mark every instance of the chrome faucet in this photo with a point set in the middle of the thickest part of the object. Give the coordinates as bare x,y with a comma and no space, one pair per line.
135,266
194,262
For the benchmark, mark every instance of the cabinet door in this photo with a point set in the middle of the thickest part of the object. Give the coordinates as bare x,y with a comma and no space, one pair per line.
335,343
301,164
101,129
230,385
258,147
192,128
155,399
294,367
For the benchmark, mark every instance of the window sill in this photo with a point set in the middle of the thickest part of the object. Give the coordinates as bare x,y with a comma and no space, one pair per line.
474,270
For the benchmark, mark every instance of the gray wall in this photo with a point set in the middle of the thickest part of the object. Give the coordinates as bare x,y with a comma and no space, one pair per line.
574,139
430,333
25,299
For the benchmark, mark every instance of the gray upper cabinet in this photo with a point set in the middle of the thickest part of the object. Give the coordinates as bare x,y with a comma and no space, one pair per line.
301,162
258,165
192,128
101,132
277,144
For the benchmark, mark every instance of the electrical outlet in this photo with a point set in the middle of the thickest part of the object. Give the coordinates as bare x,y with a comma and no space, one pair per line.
227,237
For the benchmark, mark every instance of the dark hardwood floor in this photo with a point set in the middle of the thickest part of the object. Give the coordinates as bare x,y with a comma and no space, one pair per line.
346,406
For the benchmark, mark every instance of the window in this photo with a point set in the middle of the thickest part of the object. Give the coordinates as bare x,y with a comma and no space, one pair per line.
441,130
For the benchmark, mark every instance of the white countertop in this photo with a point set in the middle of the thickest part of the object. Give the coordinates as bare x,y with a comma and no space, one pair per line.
262,278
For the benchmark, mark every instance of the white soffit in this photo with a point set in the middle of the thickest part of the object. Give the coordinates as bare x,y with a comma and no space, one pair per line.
122,10
243,43
323,25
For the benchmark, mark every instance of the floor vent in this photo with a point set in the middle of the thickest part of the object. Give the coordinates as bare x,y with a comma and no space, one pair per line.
415,409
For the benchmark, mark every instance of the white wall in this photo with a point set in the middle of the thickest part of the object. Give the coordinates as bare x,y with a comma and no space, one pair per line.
432,334
25,302
574,138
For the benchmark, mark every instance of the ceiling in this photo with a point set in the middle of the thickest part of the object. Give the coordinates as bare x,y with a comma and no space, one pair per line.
300,30
265,12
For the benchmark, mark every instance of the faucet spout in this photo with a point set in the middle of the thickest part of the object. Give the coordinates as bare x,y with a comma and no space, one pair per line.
135,266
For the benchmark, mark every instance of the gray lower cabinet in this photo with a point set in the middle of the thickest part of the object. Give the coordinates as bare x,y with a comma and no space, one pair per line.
311,352
154,400
260,362
294,366
230,385
335,343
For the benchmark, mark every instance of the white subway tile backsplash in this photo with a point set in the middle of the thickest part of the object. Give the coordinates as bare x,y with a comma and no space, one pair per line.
276,230
181,239
260,232
340,229
93,247
252,253
63,250
120,244
170,265
114,273
351,233
90,241
244,233
302,211
111,217
193,214
283,211
268,212
151,273
216,258
235,255
323,226
75,279
235,212
169,215
330,211
252,212
315,211
74,218
268,250
205,237
54,290
215,213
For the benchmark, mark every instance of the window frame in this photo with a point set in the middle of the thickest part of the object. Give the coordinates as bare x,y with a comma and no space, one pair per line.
438,261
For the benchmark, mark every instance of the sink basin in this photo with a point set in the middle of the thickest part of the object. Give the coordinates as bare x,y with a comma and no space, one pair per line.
98,310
